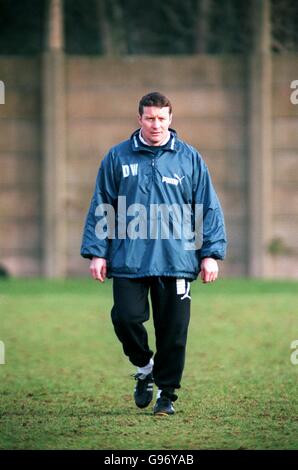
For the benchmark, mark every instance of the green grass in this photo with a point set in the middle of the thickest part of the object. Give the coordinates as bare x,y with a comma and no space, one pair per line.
66,383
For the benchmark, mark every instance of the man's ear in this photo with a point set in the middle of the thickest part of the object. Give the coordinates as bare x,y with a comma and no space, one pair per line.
171,116
140,119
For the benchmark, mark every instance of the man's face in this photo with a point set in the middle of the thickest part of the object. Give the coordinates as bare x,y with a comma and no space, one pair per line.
155,123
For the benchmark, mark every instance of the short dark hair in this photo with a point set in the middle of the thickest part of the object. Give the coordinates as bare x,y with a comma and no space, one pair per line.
154,99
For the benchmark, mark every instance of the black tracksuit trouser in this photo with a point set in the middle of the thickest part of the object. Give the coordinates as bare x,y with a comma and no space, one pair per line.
170,302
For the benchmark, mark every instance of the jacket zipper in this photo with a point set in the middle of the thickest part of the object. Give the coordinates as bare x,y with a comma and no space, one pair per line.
153,169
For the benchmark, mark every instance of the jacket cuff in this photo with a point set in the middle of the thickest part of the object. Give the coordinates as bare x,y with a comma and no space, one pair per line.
213,255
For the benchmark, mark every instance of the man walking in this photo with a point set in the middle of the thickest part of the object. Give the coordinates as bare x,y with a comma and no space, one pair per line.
154,223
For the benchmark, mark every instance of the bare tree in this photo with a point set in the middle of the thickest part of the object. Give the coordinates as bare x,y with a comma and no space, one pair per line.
104,29
112,27
202,26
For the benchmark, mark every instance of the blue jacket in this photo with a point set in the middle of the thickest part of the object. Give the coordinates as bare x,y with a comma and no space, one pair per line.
154,211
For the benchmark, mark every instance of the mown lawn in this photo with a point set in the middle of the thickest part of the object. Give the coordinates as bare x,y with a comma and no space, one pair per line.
66,384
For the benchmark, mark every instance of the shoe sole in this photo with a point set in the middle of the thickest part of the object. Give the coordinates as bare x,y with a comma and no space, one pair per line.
163,413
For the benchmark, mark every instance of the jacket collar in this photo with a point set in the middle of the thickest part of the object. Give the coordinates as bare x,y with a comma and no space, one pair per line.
138,146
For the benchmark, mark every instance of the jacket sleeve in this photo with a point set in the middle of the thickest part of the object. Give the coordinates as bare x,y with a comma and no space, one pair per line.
214,239
105,192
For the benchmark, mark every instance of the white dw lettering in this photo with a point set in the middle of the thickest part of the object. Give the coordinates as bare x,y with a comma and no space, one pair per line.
130,169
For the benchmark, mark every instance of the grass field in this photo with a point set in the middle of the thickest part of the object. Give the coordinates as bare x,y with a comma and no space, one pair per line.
66,384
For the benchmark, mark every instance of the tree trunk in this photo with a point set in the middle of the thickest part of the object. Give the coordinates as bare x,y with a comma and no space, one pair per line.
54,146
104,29
54,26
113,33
260,142
202,27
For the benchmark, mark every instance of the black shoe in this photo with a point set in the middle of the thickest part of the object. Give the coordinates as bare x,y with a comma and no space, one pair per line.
143,393
163,407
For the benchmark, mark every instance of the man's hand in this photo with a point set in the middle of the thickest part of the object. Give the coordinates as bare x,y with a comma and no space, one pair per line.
98,268
209,270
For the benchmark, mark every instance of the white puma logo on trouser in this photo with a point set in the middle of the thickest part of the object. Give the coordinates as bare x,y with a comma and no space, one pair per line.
186,295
